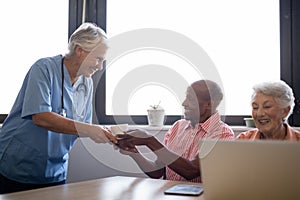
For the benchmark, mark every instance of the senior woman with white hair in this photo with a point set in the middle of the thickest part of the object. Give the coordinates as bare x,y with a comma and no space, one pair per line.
272,104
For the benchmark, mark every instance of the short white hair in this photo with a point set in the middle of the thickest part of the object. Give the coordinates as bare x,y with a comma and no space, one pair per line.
280,90
87,36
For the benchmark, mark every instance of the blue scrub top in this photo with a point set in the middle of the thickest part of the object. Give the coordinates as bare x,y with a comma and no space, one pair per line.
29,153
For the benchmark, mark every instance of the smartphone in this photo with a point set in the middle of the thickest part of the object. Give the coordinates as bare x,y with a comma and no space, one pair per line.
185,189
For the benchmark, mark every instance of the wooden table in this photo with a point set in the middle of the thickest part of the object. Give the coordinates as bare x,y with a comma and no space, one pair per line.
112,188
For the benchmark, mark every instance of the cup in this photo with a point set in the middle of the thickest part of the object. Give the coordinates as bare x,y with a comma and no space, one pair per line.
119,129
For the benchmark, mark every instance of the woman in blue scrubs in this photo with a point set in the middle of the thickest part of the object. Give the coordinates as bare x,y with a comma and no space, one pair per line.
52,109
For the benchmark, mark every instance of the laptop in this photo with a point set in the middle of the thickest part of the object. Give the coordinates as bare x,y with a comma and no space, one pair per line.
244,169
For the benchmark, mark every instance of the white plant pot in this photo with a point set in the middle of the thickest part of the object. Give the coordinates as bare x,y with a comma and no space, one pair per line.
156,117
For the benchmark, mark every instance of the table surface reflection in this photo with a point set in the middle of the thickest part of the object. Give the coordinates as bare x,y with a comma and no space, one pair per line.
111,188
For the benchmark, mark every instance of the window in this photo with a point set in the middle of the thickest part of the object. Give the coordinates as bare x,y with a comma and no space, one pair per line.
30,30
221,23
241,40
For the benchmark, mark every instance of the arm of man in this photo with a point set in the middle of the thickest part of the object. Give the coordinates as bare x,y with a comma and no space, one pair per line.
154,169
189,169
56,123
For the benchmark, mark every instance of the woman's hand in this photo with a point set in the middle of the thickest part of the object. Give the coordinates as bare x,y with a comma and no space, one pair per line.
100,135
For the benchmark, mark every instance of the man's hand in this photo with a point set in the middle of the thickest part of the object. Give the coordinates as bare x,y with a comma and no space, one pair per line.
133,138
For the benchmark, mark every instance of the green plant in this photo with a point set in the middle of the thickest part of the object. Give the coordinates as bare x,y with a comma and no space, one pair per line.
155,106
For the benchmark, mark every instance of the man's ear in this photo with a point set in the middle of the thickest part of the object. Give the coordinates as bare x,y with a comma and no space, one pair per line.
209,104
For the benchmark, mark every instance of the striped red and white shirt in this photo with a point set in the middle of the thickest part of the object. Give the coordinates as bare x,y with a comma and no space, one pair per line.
183,139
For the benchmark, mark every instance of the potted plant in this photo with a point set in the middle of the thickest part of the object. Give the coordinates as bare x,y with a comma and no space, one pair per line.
156,115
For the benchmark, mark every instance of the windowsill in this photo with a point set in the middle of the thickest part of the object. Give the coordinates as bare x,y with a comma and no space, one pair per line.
150,128
236,129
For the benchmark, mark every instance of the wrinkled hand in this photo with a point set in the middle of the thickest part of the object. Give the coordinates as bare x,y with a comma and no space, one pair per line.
102,135
110,136
132,138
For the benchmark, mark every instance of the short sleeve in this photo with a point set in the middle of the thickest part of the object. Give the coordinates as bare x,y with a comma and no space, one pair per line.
38,91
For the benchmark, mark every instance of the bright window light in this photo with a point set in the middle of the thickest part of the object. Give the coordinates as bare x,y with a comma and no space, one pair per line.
30,30
241,37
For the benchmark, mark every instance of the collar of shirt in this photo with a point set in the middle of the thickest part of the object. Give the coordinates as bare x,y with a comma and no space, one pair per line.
290,134
206,126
